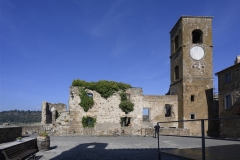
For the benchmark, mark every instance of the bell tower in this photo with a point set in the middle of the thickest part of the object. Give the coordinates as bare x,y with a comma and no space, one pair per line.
191,69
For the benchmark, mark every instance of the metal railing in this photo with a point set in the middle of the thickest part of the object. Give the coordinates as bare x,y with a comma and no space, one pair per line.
202,132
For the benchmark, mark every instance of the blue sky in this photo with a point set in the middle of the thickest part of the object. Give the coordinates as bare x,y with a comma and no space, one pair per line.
45,45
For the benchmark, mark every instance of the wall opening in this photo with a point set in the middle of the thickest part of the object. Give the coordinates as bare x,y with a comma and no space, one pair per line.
192,116
125,121
176,73
227,78
145,114
228,101
192,98
176,43
168,110
128,96
88,122
197,36
48,114
90,95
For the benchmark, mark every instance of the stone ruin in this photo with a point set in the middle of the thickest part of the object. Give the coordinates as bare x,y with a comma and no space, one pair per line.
109,116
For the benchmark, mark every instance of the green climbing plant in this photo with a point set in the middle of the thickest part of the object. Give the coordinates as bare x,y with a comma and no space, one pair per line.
125,105
88,122
86,101
103,87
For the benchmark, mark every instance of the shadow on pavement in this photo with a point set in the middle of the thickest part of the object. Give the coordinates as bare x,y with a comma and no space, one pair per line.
98,151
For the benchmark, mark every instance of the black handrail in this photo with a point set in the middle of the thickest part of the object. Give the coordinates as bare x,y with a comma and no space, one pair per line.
202,131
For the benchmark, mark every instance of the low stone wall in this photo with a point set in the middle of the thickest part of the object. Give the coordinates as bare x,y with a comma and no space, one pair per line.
9,133
175,131
31,129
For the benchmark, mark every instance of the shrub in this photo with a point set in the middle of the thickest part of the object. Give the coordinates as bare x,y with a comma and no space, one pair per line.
103,87
43,134
86,101
88,122
126,106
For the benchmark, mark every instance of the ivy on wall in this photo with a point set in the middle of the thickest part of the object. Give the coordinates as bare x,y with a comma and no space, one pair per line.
105,89
125,104
86,101
88,122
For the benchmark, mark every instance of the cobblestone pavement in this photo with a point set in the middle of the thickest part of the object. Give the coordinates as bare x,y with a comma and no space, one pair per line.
119,148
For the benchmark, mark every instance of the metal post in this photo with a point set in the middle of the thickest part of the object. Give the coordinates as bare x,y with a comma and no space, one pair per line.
203,140
159,155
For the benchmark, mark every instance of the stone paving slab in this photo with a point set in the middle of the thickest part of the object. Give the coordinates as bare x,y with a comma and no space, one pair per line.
120,148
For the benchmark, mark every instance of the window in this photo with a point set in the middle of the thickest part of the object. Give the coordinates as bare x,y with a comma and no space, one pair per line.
128,96
228,101
227,78
176,73
125,121
176,42
192,116
88,122
197,36
168,110
90,95
192,98
145,114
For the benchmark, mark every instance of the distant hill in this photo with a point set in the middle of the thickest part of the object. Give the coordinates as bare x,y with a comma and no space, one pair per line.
17,116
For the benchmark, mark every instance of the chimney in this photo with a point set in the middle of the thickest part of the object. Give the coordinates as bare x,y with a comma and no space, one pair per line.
237,59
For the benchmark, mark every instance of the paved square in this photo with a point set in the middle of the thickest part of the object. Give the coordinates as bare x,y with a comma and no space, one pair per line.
119,148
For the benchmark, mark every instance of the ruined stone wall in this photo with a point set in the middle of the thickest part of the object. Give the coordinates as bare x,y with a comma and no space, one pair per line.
157,109
106,111
49,111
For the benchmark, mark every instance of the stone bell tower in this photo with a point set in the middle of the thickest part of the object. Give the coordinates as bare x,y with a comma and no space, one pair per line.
191,69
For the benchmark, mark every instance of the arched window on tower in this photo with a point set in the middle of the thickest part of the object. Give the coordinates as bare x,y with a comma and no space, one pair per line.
176,43
197,36
176,73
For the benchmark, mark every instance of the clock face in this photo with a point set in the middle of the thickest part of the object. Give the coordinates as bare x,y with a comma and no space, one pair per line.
197,53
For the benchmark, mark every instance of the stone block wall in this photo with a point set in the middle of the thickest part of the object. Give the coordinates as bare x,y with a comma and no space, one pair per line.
49,111
229,128
31,129
106,111
175,131
157,109
9,133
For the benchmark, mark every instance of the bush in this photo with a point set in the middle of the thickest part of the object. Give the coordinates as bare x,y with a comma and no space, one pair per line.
43,134
103,87
86,101
88,122
126,106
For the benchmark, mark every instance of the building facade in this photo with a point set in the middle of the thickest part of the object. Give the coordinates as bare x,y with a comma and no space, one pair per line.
229,99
